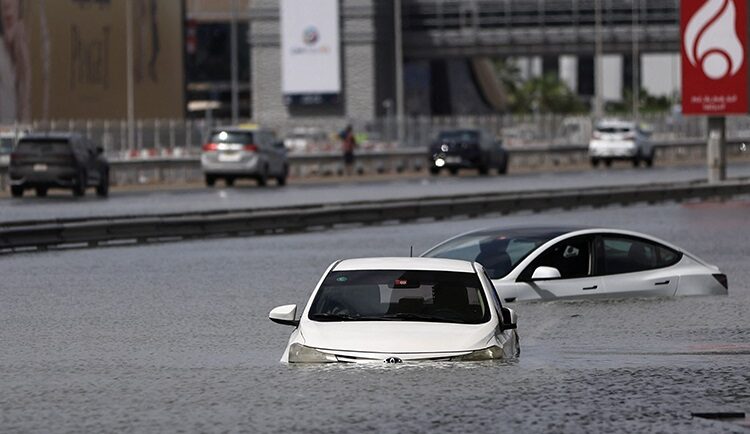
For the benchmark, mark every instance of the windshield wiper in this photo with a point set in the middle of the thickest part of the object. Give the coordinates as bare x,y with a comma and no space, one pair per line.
332,317
345,317
419,316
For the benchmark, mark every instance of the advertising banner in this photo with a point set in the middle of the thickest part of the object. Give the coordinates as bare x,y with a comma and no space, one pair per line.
67,59
714,51
310,47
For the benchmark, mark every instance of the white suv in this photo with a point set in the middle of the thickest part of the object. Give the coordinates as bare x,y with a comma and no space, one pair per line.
620,140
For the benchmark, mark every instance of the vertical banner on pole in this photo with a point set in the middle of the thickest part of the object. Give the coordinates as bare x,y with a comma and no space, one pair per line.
714,51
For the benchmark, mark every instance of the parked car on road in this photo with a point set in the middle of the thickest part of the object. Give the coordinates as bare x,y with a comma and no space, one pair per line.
41,161
620,140
244,151
306,139
400,309
550,263
467,149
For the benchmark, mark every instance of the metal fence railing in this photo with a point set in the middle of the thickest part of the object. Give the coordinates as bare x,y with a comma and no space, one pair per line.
172,137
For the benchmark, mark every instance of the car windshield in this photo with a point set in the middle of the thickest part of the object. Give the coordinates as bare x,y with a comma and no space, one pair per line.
458,136
498,252
401,295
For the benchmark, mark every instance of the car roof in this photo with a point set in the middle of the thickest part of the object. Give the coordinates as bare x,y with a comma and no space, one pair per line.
460,130
606,123
241,128
526,231
405,263
50,135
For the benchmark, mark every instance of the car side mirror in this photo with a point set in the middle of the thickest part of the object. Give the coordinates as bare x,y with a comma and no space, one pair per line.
99,150
543,273
284,315
510,319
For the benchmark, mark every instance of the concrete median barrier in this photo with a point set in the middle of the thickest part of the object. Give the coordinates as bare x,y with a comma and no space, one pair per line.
154,228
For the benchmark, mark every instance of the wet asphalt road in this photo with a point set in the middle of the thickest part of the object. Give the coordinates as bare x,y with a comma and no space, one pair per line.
175,338
60,204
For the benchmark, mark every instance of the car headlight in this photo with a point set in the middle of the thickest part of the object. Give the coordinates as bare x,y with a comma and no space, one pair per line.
493,352
439,162
299,353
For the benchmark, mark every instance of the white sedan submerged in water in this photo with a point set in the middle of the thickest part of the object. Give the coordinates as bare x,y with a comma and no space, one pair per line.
400,309
549,263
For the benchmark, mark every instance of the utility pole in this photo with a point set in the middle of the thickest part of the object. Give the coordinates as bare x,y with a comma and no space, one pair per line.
716,152
399,71
234,64
636,66
129,72
598,67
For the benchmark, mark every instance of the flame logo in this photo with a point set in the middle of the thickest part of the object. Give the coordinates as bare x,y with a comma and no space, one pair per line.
711,40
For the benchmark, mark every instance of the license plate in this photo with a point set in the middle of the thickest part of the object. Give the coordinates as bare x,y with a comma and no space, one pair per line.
452,160
40,168
229,156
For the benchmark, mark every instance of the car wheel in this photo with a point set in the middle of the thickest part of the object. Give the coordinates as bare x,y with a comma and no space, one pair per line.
650,160
210,180
594,162
281,179
41,191
102,189
79,189
636,161
263,177
16,190
453,171
608,162
503,169
434,170
229,181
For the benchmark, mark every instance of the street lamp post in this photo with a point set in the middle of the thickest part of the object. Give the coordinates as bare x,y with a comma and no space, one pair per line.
399,71
129,72
598,69
235,63
636,63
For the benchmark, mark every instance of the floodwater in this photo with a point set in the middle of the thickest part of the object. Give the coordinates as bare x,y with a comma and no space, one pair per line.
175,337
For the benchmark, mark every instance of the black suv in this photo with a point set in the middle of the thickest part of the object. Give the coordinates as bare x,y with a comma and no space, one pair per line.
57,160
467,148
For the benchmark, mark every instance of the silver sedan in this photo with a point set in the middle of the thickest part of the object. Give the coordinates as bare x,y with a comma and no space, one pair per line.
549,263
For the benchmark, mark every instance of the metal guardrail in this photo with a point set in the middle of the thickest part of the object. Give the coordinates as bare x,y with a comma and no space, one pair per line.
93,232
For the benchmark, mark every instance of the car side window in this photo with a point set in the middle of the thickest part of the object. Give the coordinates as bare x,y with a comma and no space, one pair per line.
621,254
572,257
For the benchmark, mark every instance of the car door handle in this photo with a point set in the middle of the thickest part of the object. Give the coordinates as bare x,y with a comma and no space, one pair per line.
666,282
590,287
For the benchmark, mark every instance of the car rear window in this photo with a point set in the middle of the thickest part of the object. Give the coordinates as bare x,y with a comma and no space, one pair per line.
43,147
232,137
614,130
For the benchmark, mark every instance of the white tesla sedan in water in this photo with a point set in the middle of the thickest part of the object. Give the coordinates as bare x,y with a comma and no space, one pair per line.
400,309
549,263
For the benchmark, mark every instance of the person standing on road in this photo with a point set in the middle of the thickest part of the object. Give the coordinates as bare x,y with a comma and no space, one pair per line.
349,142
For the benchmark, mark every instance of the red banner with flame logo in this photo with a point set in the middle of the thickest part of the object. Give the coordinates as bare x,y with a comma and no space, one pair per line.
714,51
